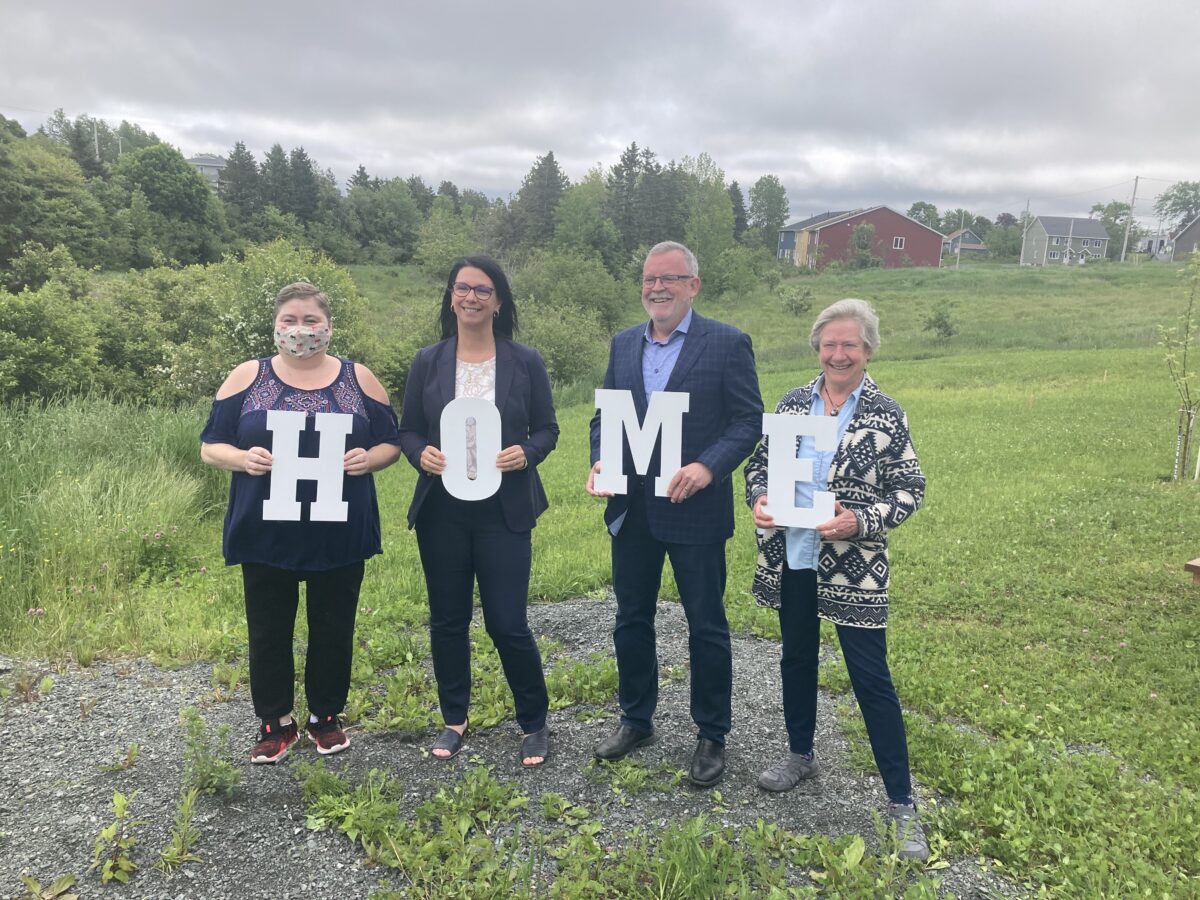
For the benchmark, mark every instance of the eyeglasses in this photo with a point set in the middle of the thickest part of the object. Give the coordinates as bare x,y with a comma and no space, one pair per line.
482,291
648,280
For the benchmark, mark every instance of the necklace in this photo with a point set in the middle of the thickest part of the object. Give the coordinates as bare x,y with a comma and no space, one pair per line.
834,408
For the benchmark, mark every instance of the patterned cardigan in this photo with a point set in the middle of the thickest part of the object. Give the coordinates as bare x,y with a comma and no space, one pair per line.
876,475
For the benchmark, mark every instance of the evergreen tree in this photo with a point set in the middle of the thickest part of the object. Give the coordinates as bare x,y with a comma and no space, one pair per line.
302,185
275,180
740,223
359,179
622,189
239,187
420,193
533,208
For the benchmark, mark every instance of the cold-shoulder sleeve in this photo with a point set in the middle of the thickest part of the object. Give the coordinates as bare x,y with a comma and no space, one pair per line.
384,428
222,424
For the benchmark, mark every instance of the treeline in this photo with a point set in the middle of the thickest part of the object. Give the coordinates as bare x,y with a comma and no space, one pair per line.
119,198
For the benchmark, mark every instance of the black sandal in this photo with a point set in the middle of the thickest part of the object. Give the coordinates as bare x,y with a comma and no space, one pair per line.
449,740
536,743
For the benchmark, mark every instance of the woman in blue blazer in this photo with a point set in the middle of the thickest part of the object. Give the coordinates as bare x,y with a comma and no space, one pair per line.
464,541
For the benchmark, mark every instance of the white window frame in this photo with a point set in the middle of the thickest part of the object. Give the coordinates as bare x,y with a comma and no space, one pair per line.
898,242
1055,241
1053,254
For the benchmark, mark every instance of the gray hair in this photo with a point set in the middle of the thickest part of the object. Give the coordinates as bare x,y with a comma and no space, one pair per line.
858,310
689,258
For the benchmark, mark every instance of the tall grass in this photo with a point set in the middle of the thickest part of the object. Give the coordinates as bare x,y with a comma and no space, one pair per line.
96,499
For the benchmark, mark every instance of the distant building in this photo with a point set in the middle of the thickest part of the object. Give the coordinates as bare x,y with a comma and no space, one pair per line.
970,243
211,166
1182,243
899,241
1059,240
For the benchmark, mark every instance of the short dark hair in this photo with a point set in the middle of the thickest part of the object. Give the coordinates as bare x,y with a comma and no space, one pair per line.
505,322
302,290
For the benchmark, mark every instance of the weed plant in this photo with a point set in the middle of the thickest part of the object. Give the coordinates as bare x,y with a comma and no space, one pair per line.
184,835
113,853
206,766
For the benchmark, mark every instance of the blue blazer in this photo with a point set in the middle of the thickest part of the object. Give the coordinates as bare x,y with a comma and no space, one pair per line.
720,429
526,418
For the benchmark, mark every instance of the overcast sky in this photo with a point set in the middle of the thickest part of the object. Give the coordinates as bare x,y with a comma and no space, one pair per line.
982,105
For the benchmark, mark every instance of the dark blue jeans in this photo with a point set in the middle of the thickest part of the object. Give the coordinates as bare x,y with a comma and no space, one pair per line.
637,562
462,542
865,652
331,602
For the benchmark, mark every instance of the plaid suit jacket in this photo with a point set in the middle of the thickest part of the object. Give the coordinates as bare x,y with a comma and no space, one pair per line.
720,429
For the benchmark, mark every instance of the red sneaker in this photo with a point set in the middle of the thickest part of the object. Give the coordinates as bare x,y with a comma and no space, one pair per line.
327,734
274,739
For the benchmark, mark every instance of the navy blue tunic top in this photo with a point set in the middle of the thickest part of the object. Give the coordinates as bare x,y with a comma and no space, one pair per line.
303,546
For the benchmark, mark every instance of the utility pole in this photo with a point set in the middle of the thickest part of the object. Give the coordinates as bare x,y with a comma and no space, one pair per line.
1024,231
1070,237
1129,218
958,256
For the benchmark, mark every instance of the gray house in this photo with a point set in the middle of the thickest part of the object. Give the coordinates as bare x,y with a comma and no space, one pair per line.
1059,240
968,240
1183,244
210,166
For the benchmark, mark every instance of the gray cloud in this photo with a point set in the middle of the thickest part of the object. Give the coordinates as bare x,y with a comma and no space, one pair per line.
850,103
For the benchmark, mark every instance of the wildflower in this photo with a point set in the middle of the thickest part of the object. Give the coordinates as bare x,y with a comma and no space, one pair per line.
1153,695
1122,645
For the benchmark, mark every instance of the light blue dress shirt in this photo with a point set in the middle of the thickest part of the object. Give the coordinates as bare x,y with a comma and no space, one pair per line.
659,358
804,544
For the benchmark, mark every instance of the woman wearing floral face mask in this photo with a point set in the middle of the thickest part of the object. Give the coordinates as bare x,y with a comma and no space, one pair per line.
320,540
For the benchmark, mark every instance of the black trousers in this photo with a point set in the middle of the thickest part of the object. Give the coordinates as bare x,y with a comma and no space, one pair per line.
331,601
637,562
865,652
462,542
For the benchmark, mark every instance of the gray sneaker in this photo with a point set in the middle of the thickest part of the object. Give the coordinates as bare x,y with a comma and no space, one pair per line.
910,836
785,775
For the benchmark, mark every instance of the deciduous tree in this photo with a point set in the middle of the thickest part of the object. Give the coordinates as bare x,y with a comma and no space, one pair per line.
1180,203
926,214
768,210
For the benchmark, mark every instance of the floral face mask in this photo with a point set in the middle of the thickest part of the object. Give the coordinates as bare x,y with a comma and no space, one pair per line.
302,341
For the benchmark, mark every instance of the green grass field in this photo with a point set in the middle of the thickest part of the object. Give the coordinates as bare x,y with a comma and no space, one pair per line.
1043,637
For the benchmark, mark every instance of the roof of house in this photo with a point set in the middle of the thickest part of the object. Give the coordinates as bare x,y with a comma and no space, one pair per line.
815,220
1061,226
832,218
952,235
208,159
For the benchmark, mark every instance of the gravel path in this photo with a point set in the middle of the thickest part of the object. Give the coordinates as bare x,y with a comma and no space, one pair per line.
55,792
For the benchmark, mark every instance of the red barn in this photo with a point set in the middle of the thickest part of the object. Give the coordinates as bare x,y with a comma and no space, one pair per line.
898,240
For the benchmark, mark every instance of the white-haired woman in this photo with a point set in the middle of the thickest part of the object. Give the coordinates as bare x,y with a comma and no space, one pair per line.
838,571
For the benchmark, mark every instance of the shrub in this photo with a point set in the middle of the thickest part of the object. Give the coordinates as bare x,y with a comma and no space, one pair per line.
569,280
47,343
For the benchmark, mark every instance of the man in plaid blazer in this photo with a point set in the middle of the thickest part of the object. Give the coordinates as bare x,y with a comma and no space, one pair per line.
678,350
